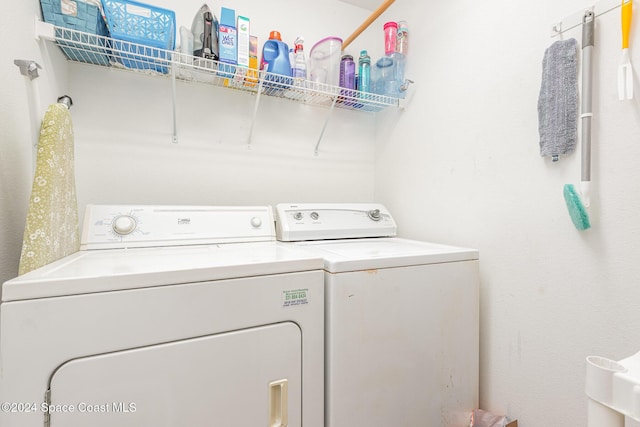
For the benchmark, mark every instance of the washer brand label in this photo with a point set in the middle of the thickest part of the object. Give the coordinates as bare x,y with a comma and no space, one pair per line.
295,297
184,221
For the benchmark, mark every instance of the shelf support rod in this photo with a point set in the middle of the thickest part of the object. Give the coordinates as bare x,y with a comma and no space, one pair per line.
255,112
324,126
174,137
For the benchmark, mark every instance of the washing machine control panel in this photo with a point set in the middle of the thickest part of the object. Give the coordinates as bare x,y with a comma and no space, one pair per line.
303,221
124,226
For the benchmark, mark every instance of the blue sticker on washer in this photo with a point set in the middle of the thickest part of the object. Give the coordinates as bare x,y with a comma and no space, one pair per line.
295,297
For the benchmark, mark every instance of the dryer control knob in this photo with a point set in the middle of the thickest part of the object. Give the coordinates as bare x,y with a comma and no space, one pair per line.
374,214
297,216
256,222
124,224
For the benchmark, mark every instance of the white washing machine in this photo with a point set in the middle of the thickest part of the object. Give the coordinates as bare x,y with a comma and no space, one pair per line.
168,316
401,331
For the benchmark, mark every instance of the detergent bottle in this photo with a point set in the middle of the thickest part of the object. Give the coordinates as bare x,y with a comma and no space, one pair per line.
275,56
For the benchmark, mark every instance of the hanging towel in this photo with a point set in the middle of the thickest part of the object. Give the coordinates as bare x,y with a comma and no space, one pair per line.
52,219
558,101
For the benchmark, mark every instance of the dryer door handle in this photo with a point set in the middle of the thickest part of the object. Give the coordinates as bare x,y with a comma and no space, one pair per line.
278,403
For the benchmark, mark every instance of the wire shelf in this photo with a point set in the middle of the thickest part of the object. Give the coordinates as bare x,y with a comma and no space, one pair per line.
103,51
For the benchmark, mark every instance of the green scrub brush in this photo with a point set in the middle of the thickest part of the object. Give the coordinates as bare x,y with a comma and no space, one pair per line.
577,203
577,209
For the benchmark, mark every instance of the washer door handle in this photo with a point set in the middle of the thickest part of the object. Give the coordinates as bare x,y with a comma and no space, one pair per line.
278,403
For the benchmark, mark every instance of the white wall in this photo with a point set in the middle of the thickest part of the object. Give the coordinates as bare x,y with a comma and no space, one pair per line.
462,166
125,155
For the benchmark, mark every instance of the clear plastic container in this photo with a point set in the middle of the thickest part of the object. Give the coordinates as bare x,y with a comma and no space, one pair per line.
324,61
387,76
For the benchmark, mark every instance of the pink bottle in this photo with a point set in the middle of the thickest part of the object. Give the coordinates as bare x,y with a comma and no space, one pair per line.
390,37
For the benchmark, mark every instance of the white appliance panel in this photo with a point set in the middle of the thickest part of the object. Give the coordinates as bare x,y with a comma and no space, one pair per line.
402,346
176,309
216,380
363,254
127,226
401,319
314,221
39,335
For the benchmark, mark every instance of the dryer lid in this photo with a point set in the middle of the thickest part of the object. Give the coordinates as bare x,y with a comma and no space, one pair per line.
119,269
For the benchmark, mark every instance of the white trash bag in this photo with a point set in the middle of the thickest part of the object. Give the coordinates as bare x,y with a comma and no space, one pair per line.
481,418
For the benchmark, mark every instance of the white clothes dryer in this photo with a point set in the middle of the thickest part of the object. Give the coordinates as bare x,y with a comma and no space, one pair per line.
402,316
168,316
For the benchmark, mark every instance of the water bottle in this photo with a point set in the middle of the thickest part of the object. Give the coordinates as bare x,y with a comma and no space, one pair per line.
390,37
402,42
347,72
364,72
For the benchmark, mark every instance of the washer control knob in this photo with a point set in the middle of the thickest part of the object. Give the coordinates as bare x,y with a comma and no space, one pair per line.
374,214
297,216
256,222
314,216
124,224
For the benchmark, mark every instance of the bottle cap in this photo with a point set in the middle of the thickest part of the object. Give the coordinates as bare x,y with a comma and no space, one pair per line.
363,52
347,58
275,35
391,24
403,25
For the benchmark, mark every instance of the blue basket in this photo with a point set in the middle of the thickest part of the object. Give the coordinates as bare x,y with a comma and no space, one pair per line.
87,47
144,30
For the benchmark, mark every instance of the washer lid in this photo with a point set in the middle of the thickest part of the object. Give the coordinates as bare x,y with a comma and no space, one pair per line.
366,254
117,269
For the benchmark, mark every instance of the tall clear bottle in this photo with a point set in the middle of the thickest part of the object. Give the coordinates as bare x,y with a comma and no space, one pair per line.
402,51
299,61
364,72
402,41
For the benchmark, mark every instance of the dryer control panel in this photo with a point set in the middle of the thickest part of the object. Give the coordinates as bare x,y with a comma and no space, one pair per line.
323,221
128,226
